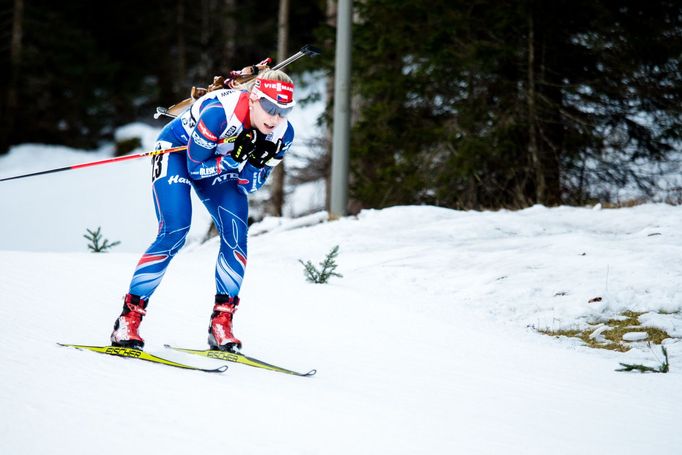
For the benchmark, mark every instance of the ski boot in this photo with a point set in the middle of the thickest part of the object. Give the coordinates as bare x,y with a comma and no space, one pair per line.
126,327
220,337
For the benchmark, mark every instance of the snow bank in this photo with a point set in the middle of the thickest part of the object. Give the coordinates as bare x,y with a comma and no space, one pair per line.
421,347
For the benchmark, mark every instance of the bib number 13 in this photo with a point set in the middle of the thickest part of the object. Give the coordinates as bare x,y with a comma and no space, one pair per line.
160,162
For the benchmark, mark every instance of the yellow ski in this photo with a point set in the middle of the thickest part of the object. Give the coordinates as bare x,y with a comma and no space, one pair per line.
138,354
239,358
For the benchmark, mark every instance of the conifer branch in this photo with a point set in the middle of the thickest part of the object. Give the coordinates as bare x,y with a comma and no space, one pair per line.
97,244
664,367
328,268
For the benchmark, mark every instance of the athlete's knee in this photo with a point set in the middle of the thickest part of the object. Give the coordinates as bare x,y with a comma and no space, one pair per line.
232,228
171,238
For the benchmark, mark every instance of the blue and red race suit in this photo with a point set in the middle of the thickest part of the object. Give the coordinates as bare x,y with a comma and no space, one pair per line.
221,183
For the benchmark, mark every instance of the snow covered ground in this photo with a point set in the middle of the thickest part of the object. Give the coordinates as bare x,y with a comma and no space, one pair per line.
422,347
52,212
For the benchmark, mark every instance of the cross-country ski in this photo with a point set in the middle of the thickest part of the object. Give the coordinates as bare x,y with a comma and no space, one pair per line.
141,355
238,357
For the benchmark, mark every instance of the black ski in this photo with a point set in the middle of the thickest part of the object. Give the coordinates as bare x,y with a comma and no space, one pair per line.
239,358
141,355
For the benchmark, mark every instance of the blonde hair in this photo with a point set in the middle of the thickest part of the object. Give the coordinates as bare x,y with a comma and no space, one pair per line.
273,75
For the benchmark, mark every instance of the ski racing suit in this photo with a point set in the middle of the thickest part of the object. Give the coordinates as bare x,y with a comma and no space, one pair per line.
221,183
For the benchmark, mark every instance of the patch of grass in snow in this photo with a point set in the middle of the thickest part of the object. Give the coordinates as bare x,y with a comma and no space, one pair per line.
624,204
630,323
612,337
584,336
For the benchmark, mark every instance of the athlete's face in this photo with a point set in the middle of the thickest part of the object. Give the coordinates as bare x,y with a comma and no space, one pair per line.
261,119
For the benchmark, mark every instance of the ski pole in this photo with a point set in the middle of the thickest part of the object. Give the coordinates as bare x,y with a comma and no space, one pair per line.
109,160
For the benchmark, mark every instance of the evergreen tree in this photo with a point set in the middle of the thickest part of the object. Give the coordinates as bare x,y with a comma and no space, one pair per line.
491,104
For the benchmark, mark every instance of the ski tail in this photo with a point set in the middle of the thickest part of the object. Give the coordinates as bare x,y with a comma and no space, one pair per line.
141,355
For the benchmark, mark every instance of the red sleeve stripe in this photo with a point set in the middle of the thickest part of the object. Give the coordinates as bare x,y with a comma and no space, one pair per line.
242,110
206,132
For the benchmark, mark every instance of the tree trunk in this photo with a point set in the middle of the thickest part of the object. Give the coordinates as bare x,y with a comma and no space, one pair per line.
278,173
16,49
543,133
533,150
181,75
205,59
331,21
230,37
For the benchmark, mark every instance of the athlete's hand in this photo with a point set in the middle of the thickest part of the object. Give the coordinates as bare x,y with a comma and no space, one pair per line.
244,145
263,152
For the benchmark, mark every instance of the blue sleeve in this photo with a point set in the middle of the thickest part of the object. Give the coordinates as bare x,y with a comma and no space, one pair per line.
251,178
202,160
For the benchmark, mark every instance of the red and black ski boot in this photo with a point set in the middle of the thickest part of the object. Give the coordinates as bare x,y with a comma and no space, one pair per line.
220,337
126,327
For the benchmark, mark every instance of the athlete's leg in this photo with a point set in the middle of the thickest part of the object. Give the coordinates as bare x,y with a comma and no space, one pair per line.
171,190
229,208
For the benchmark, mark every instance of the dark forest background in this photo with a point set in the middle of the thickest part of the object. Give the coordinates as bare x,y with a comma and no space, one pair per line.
86,67
463,104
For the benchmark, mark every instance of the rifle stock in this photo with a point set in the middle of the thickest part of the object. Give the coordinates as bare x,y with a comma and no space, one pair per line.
180,107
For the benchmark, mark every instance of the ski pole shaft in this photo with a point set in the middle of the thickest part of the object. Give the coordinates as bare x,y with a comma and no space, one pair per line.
108,160
96,163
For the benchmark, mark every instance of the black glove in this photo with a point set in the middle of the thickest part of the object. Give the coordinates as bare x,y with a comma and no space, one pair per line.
244,145
263,152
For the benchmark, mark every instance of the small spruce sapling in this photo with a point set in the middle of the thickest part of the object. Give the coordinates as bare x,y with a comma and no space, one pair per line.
329,265
97,244
664,367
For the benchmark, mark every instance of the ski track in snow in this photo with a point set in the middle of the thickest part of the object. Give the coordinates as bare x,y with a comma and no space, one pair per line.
424,346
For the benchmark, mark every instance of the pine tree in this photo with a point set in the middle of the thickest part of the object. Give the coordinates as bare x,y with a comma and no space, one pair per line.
97,244
327,270
664,367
